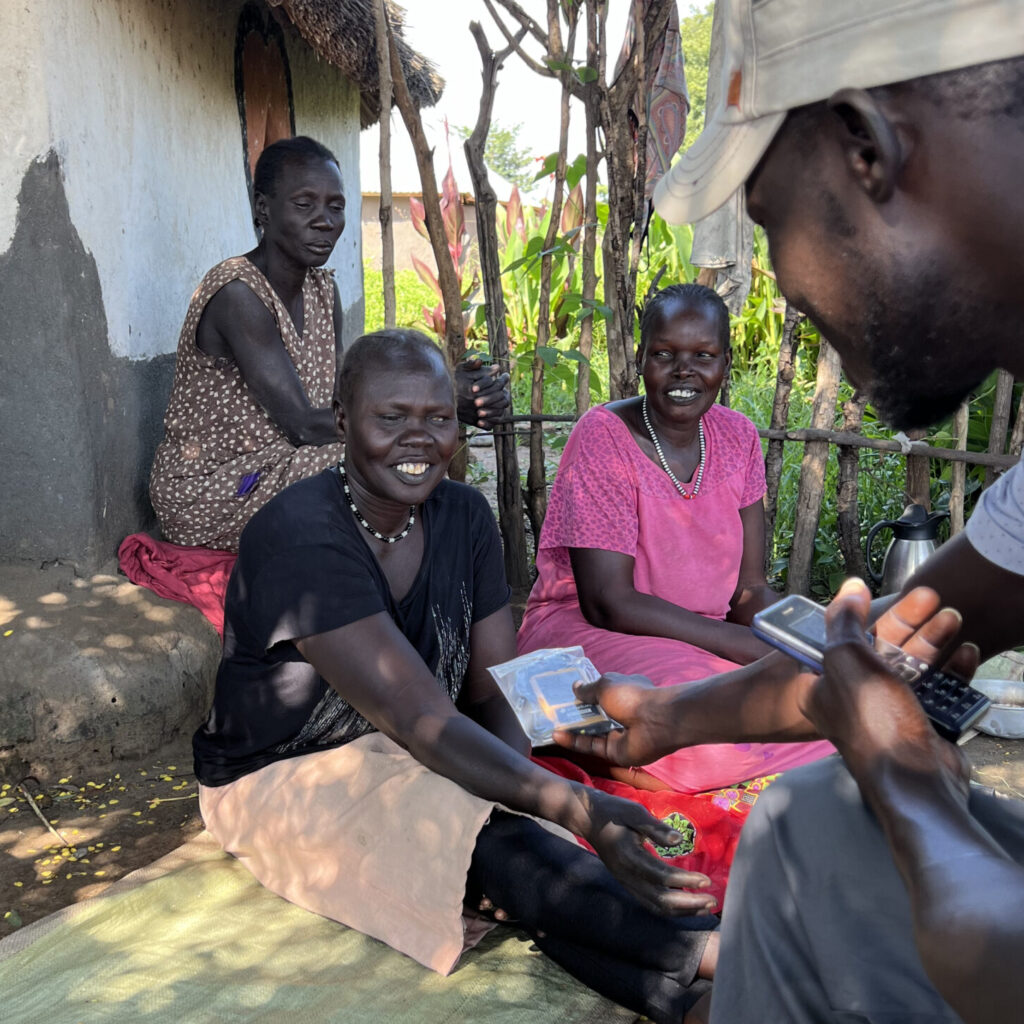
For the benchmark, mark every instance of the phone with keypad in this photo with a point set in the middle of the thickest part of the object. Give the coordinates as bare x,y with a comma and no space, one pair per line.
796,626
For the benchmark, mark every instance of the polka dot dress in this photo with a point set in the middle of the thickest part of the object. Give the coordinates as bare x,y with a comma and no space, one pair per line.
222,456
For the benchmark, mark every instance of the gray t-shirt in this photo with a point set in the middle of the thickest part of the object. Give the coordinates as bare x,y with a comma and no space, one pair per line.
996,529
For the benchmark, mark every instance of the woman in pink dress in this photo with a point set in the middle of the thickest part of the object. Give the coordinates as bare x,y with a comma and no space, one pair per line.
652,553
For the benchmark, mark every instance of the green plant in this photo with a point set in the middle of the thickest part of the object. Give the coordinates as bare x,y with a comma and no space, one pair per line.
521,237
411,295
695,35
458,248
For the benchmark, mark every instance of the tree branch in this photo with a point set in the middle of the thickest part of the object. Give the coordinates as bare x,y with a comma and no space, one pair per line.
514,42
509,493
455,340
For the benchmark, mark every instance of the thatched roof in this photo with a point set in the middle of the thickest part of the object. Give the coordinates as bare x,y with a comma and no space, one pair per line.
342,32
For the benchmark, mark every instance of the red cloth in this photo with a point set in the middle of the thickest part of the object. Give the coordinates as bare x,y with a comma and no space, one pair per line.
196,576
716,818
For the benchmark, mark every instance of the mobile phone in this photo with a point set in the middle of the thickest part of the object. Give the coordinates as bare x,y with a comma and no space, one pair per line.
557,701
796,626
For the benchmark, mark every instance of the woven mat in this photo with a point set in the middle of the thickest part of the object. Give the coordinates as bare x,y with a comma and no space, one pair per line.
194,939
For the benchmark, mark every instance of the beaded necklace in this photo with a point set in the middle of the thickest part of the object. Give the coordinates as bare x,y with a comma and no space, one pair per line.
688,495
364,524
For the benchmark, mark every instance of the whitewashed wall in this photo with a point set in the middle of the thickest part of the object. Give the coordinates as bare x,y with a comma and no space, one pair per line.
137,98
122,181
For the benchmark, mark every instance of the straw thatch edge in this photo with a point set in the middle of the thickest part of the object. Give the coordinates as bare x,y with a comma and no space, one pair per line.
342,32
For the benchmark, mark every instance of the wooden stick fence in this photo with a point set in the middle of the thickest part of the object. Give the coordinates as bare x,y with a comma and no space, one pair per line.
842,438
817,440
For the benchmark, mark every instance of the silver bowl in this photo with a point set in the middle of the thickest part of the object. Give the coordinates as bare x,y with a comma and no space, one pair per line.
1005,715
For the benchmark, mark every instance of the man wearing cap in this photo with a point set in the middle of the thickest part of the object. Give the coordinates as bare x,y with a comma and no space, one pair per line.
881,145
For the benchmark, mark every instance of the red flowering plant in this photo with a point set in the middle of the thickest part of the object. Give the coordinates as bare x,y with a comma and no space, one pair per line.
458,248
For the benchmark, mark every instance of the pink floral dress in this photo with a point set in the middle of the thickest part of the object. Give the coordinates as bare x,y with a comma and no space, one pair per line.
609,495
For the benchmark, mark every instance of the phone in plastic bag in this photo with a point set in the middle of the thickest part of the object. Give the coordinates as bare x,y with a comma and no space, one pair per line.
539,687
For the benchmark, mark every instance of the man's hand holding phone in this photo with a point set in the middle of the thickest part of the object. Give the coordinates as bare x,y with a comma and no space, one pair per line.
858,703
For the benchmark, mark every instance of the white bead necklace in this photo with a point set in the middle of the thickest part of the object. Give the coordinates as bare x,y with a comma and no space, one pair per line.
365,525
689,495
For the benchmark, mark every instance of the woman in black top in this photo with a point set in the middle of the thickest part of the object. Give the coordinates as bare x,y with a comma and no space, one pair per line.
372,598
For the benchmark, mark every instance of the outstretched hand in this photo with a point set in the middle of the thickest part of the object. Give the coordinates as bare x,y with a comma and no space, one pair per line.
633,702
618,832
481,393
857,702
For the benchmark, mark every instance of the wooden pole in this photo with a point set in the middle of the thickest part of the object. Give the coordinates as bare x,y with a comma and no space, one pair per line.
919,475
812,473
624,161
451,296
510,504
1000,419
780,416
1017,437
848,512
589,260
806,435
387,235
536,475
958,472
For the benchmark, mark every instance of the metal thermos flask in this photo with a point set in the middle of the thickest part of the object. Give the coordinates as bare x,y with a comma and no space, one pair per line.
914,538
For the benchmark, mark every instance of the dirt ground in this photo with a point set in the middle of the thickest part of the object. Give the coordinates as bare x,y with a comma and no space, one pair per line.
113,819
104,822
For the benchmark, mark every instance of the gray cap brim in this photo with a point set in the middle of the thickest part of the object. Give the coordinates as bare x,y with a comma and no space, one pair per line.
714,167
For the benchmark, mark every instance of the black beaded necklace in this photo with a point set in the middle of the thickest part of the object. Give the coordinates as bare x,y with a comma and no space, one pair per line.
364,524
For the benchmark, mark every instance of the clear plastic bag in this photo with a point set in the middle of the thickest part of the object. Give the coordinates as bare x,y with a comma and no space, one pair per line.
539,685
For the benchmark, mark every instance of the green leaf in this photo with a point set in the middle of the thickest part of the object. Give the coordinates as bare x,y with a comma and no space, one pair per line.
570,302
13,918
548,167
575,355
575,171
586,74
558,65
548,354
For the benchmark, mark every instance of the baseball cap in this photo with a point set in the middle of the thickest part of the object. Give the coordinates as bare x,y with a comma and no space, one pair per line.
782,54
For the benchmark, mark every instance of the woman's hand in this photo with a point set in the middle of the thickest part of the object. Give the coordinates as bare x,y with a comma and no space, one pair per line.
637,705
618,831
481,393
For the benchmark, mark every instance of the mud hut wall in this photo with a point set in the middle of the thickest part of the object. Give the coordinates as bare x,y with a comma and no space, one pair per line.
121,182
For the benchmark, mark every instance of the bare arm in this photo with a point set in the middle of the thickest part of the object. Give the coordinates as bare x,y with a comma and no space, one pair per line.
372,665
965,891
761,702
609,599
757,703
237,323
752,590
987,596
492,641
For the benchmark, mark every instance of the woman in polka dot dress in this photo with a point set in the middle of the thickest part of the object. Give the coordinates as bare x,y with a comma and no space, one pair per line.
249,412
